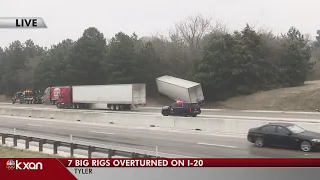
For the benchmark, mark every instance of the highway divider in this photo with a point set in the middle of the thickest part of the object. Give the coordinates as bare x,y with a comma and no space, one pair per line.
216,124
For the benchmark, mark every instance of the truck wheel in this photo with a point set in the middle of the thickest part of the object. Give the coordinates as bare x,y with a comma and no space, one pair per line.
117,108
58,105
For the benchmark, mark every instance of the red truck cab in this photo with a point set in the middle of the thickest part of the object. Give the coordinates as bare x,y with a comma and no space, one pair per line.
65,98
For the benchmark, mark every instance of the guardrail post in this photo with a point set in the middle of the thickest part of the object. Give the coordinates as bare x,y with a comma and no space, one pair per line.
55,147
72,147
110,153
4,139
15,140
90,150
27,142
41,142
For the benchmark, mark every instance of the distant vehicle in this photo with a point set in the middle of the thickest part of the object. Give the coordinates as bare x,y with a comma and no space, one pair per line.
17,97
51,94
285,135
181,108
116,97
27,97
180,89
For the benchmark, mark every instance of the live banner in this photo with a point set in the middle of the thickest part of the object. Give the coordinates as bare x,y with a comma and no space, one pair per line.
75,168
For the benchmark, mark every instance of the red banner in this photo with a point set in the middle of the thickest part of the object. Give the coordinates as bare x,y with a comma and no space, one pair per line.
51,168
193,162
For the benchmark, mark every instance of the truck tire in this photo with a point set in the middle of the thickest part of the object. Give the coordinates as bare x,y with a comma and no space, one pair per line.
117,107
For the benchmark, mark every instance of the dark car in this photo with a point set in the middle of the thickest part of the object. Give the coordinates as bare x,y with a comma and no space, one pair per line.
285,135
180,108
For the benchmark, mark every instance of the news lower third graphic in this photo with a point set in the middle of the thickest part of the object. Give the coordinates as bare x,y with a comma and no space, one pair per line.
22,22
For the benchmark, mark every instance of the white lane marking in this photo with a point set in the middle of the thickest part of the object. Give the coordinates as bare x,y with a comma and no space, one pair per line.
34,125
98,132
218,145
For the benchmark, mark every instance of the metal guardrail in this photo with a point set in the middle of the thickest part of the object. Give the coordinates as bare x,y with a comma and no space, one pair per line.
73,146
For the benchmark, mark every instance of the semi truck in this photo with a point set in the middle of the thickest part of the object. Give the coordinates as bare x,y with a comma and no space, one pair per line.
180,89
27,97
116,97
51,94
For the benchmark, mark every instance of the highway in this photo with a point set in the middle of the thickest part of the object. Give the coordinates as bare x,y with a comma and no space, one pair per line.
171,143
205,112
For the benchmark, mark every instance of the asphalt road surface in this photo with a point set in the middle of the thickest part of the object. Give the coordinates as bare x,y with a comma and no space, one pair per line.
170,143
205,112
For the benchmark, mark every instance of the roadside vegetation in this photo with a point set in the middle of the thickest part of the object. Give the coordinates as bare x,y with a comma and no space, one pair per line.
10,152
227,63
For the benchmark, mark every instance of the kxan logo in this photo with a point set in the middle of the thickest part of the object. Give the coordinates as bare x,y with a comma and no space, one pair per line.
16,165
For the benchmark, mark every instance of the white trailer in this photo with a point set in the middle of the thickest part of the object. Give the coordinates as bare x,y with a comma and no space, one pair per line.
180,89
115,96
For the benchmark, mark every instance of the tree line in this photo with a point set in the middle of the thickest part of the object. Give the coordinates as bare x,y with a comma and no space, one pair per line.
225,63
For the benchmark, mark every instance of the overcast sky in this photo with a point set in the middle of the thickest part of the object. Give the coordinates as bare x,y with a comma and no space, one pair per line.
69,18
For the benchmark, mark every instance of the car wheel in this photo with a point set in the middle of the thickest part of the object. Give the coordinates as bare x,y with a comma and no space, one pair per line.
194,115
305,146
259,142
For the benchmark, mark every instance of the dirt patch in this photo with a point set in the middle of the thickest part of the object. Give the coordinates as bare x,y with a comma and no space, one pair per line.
302,98
9,152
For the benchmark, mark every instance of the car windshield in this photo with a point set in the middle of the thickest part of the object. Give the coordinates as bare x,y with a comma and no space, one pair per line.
296,129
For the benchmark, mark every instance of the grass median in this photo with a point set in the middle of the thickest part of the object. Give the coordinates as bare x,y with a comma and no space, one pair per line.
10,152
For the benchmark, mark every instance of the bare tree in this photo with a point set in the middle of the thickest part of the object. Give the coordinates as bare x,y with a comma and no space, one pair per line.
191,31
